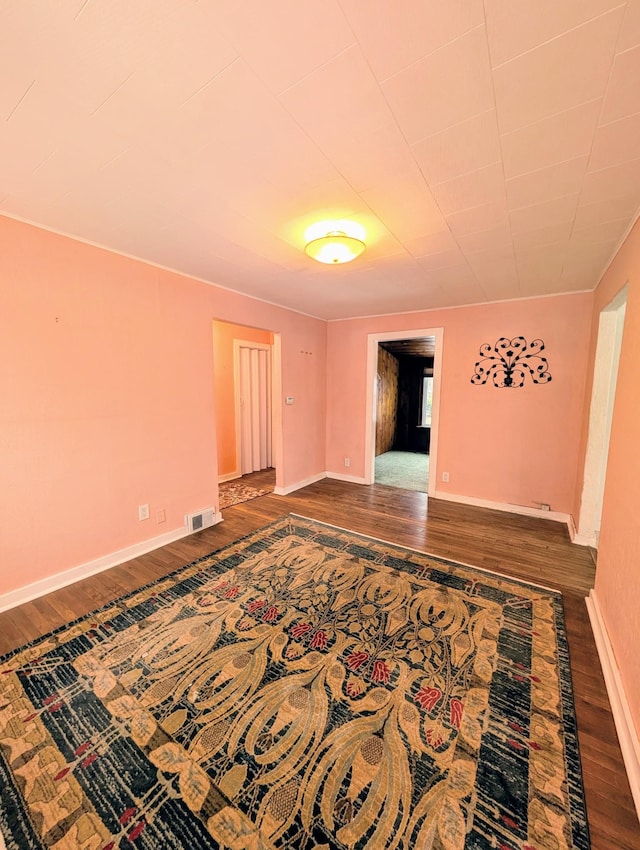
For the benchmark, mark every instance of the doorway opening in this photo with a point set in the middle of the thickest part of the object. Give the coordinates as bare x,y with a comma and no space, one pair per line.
252,385
248,424
403,393
605,375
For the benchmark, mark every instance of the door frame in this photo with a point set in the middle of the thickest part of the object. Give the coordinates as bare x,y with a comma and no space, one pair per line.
371,397
603,391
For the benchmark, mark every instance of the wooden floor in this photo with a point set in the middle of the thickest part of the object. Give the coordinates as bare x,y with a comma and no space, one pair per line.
525,547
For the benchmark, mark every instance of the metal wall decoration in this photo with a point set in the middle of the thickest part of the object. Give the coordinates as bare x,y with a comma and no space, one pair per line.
509,361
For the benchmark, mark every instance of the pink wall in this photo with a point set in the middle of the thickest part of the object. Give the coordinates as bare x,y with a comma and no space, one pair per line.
106,371
224,334
516,446
618,571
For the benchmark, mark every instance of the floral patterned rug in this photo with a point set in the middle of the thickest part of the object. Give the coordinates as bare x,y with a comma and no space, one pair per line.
234,492
305,687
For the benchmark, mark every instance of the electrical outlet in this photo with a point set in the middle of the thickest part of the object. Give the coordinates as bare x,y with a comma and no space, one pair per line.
143,512
445,477
347,461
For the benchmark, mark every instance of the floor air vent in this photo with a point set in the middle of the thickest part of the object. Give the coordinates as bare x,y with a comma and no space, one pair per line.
203,519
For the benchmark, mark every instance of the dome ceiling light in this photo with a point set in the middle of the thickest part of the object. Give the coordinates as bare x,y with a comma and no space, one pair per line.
335,242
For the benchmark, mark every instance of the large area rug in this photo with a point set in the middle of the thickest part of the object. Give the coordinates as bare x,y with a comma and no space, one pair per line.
303,688
235,492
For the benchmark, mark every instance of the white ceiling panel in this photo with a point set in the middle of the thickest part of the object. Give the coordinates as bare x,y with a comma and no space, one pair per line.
485,263
420,27
611,233
452,258
555,181
363,157
546,214
356,109
483,240
622,93
616,143
485,186
460,149
285,40
435,243
630,33
602,212
582,252
610,183
446,87
541,264
489,150
517,26
559,74
547,235
574,273
565,135
484,218
579,264
403,201
495,272
456,293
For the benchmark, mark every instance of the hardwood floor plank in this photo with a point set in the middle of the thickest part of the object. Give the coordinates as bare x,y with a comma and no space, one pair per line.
526,548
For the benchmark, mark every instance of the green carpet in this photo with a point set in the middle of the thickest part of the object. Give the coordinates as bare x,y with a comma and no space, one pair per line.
403,469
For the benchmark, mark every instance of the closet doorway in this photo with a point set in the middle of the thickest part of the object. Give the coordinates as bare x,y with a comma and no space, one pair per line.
246,377
252,381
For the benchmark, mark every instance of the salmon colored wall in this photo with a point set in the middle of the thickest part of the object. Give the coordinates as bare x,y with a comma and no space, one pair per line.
224,334
618,570
107,399
518,446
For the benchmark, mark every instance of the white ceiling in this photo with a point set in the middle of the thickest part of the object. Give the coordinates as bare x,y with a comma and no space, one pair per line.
490,149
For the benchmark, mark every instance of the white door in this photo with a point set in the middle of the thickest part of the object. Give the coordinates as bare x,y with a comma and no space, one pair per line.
253,406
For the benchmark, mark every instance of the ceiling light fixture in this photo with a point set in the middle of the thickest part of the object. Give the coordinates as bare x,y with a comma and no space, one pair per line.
335,245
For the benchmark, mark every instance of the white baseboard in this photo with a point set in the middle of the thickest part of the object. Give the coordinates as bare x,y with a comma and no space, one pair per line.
228,476
584,540
351,479
284,491
581,539
62,579
620,708
524,510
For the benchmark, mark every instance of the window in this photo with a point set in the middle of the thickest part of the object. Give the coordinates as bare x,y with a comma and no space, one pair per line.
426,401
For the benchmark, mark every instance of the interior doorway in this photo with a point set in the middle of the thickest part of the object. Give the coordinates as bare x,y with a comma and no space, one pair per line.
248,422
403,395
605,374
252,384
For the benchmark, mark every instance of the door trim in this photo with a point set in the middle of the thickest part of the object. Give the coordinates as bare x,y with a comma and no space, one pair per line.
603,390
370,423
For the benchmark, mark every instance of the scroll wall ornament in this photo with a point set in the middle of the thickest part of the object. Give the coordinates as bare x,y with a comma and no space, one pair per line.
509,361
